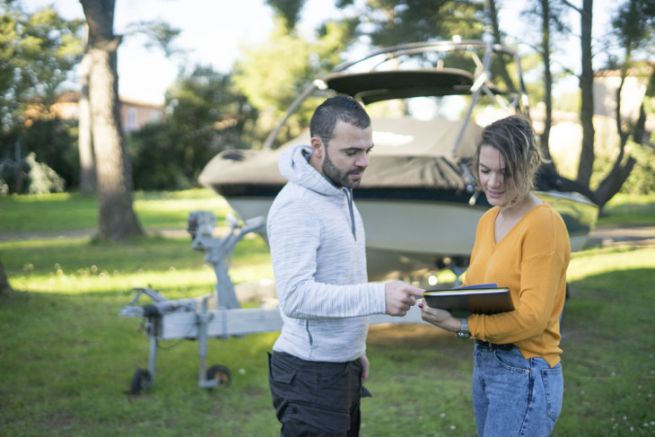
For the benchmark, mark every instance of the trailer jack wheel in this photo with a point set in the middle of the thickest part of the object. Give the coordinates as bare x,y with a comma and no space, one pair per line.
220,373
141,380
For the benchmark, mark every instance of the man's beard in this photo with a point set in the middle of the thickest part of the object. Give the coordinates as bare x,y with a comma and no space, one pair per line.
338,177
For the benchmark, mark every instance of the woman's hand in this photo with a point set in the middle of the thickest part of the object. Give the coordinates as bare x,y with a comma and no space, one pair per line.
437,317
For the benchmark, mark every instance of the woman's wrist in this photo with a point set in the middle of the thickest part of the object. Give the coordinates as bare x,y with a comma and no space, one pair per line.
450,324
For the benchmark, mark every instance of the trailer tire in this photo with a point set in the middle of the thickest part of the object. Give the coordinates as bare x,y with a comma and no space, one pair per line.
141,380
220,373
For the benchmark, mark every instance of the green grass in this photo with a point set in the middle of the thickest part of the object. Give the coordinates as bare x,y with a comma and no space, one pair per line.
65,212
629,209
66,357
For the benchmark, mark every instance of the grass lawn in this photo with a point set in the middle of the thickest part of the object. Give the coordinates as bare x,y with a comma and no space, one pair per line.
629,209
65,212
66,357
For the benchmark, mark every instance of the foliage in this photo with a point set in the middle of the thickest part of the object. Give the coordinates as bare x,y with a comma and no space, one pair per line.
42,178
634,29
54,141
206,107
72,356
37,52
155,159
205,114
391,22
634,24
273,74
158,35
532,67
642,177
288,10
46,143
29,176
567,102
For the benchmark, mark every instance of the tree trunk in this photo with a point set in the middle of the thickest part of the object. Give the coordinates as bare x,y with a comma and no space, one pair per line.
4,280
585,166
18,174
613,181
620,171
117,219
639,133
85,139
495,28
548,77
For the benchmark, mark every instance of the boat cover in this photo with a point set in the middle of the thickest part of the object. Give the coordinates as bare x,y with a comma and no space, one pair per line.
408,153
376,86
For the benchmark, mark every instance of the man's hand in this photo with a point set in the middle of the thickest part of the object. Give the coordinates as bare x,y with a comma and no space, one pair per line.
365,365
400,296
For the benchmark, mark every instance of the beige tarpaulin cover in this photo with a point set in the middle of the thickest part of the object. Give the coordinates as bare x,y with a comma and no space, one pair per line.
407,153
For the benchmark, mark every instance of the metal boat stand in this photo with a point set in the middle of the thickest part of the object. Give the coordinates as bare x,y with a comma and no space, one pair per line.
219,250
192,319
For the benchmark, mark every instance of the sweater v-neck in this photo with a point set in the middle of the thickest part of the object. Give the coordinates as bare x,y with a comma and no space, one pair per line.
512,229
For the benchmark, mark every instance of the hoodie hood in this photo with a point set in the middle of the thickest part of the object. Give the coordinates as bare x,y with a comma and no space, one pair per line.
295,167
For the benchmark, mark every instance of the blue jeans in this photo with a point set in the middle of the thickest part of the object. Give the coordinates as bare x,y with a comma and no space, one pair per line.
514,396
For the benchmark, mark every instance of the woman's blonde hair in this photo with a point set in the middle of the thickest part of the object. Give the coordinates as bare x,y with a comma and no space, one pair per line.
514,138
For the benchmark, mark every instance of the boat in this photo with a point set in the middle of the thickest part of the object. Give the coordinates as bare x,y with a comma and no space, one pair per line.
418,199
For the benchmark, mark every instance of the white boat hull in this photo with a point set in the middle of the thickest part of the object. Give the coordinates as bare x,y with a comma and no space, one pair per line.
403,236
402,226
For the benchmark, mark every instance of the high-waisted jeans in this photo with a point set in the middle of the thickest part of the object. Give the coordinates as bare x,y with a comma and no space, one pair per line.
512,395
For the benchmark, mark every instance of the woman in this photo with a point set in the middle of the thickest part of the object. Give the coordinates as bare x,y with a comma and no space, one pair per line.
522,244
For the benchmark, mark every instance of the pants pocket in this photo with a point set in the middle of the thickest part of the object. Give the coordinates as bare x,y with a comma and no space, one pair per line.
553,390
279,371
512,360
328,420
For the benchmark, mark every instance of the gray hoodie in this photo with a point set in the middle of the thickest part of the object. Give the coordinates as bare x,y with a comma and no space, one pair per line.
316,238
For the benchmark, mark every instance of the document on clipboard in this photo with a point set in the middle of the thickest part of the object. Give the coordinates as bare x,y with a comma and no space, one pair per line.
473,299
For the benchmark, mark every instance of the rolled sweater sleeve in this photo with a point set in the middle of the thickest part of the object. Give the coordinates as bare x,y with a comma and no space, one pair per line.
294,233
536,298
534,268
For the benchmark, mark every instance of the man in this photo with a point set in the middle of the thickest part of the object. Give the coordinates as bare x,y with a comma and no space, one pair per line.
316,237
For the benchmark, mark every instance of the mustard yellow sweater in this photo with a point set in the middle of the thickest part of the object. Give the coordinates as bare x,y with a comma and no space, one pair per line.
531,261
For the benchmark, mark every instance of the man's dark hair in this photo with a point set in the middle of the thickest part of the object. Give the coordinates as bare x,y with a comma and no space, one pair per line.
340,107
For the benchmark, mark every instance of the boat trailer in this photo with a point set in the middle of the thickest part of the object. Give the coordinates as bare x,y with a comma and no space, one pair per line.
192,318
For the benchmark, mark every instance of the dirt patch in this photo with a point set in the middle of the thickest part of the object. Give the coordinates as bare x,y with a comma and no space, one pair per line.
410,336
615,236
606,236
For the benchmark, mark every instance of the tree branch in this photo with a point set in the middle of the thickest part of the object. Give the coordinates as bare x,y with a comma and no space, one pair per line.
566,69
572,6
493,16
613,181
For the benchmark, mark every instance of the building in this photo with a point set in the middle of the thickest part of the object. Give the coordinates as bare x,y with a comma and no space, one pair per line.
606,84
134,114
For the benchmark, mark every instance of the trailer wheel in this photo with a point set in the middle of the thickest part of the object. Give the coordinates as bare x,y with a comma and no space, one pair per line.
141,380
220,373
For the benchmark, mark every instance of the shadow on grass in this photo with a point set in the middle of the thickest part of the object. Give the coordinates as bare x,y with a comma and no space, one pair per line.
72,358
608,355
67,360
146,253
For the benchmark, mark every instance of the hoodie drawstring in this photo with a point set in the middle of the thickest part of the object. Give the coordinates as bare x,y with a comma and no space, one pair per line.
349,196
